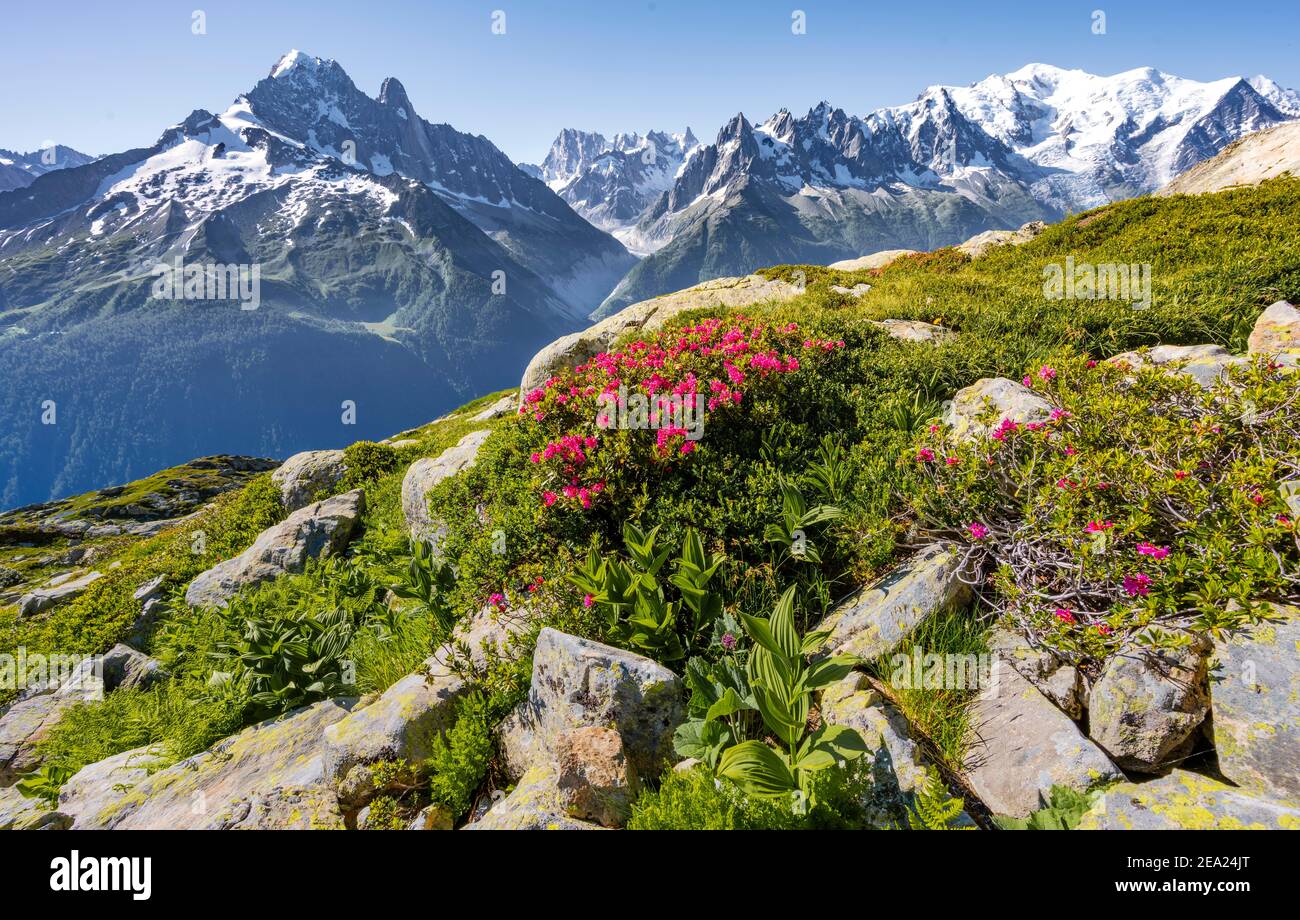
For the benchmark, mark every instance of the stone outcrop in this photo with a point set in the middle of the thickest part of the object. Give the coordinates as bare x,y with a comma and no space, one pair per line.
305,475
23,726
53,595
595,780
424,474
1186,801
978,409
981,243
577,683
874,620
1255,690
650,316
1146,706
1021,745
1206,364
318,530
533,805
1055,678
872,261
1249,161
269,775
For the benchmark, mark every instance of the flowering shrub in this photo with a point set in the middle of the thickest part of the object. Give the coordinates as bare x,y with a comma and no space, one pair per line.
1143,498
653,399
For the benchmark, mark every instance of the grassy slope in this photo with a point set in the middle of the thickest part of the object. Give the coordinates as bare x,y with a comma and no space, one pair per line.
1216,262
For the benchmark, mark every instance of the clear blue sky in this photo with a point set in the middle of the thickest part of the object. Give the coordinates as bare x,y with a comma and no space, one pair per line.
107,75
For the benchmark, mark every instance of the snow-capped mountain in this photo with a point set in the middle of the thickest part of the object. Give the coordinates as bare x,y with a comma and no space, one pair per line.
378,286
19,170
612,182
1033,144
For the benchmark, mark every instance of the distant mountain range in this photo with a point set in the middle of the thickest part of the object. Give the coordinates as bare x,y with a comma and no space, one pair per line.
1033,144
19,170
402,266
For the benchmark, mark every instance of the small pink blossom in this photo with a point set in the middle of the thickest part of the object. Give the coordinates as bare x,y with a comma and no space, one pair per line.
1137,585
1150,549
1064,615
977,530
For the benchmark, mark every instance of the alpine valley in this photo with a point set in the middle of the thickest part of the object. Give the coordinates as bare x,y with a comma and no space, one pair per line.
405,266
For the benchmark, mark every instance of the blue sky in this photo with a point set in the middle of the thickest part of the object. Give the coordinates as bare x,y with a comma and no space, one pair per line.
106,76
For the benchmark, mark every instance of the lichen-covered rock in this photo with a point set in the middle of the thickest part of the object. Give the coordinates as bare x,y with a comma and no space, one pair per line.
1146,706
427,472
1277,332
23,726
578,683
1021,745
1206,364
1055,678
399,726
433,818
979,408
269,765
1186,801
305,475
318,530
854,704
877,618
16,810
594,778
97,786
53,595
649,316
533,805
129,669
913,330
873,260
1255,691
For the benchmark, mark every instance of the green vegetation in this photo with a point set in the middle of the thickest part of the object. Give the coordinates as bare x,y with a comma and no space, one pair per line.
804,484
1063,812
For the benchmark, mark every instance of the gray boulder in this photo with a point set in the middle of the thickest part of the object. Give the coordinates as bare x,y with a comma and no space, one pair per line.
427,472
318,530
303,476
54,594
1186,801
1146,706
595,780
873,260
1021,745
1255,688
96,787
125,667
979,408
23,726
578,683
877,618
1206,364
1055,678
913,330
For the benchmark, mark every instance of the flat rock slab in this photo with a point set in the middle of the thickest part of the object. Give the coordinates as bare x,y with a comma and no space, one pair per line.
53,595
1187,801
427,472
1206,364
981,243
873,260
1255,694
98,786
1021,745
877,618
318,530
578,683
273,763
913,330
16,810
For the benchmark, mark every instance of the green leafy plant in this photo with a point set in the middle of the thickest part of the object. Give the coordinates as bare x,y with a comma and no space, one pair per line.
782,681
639,612
933,808
367,461
1064,810
44,784
790,532
286,661
428,581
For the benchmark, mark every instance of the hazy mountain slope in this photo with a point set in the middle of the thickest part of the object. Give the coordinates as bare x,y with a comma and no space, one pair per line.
19,170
